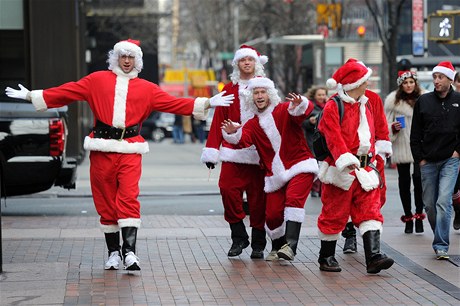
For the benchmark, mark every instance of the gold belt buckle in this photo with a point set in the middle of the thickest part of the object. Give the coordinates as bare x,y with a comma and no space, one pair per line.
122,134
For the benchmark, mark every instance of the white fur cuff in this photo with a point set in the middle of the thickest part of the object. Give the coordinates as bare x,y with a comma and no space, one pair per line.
129,222
198,109
346,160
383,147
300,109
38,101
232,138
210,155
112,228
327,237
370,225
294,214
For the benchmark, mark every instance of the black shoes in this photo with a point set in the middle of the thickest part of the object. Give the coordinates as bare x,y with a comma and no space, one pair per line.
329,264
237,248
257,254
350,245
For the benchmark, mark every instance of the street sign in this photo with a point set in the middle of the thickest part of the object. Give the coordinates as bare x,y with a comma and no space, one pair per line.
225,55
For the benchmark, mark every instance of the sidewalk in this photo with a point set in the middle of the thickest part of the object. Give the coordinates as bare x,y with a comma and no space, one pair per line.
58,260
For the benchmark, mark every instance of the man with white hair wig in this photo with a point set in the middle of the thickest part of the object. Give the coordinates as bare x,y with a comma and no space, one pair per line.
120,102
240,171
290,168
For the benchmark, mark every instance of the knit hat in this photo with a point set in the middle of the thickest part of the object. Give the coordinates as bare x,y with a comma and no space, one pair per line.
350,76
260,82
246,50
445,68
402,75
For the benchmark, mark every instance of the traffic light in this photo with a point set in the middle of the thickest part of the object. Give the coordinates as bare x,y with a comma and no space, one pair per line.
441,27
361,31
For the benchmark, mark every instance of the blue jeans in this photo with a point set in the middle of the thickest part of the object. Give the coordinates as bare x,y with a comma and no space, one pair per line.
178,134
438,182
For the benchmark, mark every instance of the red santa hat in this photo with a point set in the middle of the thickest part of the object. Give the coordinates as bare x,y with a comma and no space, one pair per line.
405,74
350,76
445,68
260,82
129,46
246,50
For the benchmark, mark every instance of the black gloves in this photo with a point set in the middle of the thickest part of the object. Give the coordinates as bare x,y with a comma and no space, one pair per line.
210,165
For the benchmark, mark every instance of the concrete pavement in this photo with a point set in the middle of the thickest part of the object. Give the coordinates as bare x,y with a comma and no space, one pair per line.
58,260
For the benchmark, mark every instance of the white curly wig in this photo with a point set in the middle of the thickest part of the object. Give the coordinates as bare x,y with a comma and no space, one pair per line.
261,82
126,47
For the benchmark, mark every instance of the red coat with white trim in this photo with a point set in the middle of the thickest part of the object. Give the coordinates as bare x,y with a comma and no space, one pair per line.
354,136
120,100
217,148
278,136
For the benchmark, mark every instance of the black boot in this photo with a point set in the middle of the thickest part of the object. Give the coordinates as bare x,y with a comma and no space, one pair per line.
375,261
113,241
128,249
456,223
349,233
419,222
276,245
240,239
409,221
289,250
258,242
113,245
326,260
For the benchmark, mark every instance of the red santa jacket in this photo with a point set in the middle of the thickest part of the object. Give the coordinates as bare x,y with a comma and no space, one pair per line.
217,148
356,135
278,136
383,144
119,100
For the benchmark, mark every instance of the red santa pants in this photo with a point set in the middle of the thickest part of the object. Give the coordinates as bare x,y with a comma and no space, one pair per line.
236,179
339,204
115,186
293,194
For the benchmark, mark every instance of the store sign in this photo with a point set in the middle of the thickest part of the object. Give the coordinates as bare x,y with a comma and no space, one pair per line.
418,45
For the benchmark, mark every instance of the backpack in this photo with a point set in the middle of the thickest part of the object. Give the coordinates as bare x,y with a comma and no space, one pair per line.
320,149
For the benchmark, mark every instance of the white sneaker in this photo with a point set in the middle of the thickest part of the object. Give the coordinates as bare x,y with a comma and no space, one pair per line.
131,262
286,252
113,263
272,256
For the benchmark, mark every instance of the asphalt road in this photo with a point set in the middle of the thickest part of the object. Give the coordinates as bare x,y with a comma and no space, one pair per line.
174,182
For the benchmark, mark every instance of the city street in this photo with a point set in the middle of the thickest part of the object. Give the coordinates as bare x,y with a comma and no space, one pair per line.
53,250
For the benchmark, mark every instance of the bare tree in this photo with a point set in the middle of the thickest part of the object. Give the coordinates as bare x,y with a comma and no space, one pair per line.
388,32
212,21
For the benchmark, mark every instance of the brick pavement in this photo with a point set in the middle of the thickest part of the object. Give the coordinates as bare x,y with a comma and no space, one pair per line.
184,262
50,259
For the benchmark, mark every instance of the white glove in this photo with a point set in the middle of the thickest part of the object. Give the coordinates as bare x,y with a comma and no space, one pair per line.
221,100
19,94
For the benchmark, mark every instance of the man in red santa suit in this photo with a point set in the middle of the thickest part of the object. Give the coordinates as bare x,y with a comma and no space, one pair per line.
276,131
240,170
120,102
383,150
351,182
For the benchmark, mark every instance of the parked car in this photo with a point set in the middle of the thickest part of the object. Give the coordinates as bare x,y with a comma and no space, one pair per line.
33,149
158,126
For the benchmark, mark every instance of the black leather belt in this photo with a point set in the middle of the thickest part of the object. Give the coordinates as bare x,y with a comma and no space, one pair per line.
364,160
102,130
